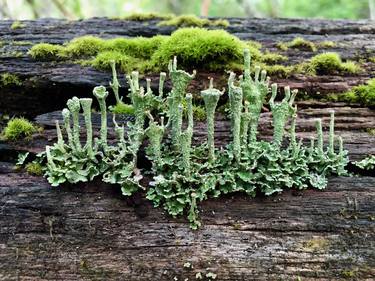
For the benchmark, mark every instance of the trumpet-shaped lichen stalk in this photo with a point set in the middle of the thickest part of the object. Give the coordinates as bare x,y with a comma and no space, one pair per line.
281,112
60,139
115,85
211,97
319,129
293,140
341,147
120,131
68,129
101,94
235,101
180,81
86,106
331,149
155,133
162,77
74,107
187,136
245,121
254,92
311,150
51,164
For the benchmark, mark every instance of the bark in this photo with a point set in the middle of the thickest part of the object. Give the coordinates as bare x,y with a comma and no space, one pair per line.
47,85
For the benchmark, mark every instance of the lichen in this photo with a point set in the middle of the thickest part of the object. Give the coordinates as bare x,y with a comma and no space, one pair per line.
192,21
18,128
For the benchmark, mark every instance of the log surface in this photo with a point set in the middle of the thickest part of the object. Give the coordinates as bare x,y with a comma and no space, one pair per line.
47,85
91,232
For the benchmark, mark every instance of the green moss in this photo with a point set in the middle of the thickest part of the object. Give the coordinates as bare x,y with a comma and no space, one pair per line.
18,128
273,58
363,94
302,44
317,244
22,43
34,169
371,131
253,44
331,63
371,59
348,273
199,113
210,49
278,70
17,25
45,51
8,79
192,21
124,62
82,47
123,108
147,16
282,46
327,44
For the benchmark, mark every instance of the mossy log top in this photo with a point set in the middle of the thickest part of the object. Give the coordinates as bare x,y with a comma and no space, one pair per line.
47,85
92,232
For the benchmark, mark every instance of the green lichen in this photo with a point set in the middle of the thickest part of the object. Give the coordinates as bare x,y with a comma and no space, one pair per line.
331,63
9,80
18,128
367,163
17,25
192,21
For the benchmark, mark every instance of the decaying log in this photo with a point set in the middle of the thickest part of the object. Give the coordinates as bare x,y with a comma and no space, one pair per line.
91,232
47,85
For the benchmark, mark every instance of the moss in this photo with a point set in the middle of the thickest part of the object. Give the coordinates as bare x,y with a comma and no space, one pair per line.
199,113
348,273
45,51
327,44
124,62
17,25
371,131
273,58
192,21
82,47
302,44
331,63
253,44
371,59
123,108
22,43
211,49
363,94
316,244
282,46
34,169
278,70
8,79
147,16
18,128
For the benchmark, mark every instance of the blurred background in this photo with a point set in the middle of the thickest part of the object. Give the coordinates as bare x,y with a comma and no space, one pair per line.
77,9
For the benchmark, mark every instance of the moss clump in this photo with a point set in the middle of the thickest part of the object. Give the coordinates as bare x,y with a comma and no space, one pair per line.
302,44
34,169
363,94
278,70
273,58
82,47
126,63
199,113
45,51
212,49
18,128
8,79
17,25
331,63
282,46
193,21
147,16
327,44
123,108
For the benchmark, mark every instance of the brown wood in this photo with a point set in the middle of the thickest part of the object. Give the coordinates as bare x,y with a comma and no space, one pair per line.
91,232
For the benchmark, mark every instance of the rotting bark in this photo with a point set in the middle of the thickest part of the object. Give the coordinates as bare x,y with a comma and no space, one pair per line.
92,232
47,85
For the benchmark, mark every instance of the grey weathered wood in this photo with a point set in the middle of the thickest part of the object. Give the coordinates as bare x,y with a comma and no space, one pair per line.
91,232
47,85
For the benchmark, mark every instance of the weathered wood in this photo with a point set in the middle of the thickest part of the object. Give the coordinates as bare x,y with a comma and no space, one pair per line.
91,232
47,85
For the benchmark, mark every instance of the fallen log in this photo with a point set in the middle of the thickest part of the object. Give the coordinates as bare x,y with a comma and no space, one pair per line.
91,232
